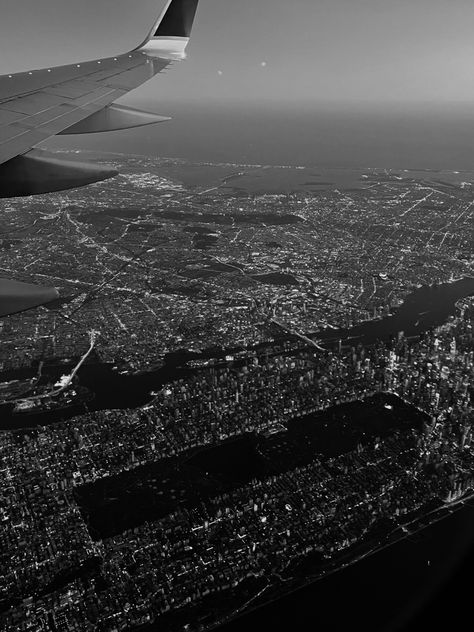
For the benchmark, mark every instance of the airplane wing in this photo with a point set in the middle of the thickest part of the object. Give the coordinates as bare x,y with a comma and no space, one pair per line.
78,98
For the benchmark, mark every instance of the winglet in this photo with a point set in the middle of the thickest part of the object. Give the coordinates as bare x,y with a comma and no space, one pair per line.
178,19
171,33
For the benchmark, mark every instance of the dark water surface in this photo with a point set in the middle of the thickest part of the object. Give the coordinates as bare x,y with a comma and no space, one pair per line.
397,136
417,584
424,308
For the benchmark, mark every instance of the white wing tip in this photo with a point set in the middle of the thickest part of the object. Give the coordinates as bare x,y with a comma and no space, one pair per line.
166,47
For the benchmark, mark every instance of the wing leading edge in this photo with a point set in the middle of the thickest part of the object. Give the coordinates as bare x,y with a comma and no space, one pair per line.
76,99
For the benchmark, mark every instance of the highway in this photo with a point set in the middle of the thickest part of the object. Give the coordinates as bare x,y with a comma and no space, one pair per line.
298,334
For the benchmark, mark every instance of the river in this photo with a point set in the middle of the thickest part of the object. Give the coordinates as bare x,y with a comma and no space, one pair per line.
420,583
424,308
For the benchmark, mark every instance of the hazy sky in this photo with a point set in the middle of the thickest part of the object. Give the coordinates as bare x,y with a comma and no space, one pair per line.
250,51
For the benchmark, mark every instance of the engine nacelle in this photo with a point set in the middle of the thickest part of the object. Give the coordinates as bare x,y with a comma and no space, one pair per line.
114,117
39,172
16,296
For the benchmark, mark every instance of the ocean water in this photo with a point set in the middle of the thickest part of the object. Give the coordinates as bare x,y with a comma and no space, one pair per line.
341,136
